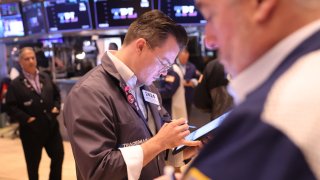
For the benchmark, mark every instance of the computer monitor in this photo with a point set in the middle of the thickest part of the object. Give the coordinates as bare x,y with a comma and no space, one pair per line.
181,11
68,15
119,13
48,45
11,24
33,17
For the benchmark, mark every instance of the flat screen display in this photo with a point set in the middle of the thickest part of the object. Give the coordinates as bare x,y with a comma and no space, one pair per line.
181,11
119,13
203,131
11,20
68,15
48,45
33,17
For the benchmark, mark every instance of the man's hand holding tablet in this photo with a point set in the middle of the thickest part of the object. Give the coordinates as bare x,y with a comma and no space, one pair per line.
202,131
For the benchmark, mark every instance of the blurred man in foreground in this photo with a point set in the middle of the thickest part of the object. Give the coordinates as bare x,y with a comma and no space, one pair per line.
272,50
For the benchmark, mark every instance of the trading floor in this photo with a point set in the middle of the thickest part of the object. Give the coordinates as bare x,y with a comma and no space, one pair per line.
12,161
13,166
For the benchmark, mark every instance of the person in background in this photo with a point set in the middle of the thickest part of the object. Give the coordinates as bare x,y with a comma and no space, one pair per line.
172,92
190,76
4,119
13,63
211,94
117,126
273,130
113,46
4,84
34,100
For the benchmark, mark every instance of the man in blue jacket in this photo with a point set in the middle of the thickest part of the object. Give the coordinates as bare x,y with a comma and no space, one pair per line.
272,50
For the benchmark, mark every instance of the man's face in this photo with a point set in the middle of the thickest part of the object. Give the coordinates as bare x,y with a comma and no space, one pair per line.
157,60
28,61
184,56
227,30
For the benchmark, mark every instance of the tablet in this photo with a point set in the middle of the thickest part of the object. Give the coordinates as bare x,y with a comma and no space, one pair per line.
202,131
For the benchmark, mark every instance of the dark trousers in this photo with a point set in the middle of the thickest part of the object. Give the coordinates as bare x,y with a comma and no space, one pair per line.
33,142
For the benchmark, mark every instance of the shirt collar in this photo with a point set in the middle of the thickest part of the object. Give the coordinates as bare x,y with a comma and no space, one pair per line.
125,72
247,81
30,76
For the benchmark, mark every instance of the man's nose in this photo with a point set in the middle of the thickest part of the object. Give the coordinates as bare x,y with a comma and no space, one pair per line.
32,59
210,39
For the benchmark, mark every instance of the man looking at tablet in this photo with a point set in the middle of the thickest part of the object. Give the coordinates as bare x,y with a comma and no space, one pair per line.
114,115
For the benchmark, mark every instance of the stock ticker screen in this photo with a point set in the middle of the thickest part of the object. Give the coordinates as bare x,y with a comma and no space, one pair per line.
119,13
181,11
33,16
68,15
11,24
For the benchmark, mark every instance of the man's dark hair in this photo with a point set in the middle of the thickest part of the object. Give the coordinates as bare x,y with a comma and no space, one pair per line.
113,46
155,27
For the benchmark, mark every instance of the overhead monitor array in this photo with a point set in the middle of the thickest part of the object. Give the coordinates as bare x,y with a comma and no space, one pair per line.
50,16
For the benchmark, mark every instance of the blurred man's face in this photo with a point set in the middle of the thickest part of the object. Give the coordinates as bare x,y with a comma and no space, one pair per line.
184,56
226,30
28,61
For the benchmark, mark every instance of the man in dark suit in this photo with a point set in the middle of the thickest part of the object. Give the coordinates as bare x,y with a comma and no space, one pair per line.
167,86
211,94
190,76
34,100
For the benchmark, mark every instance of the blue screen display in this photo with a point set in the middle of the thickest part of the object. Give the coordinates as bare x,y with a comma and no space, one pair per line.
68,15
34,18
181,11
119,13
11,24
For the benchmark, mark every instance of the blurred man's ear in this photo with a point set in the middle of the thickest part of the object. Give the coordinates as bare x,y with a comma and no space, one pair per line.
264,9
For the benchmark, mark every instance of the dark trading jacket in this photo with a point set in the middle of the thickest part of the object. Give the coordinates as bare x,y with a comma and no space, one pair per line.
190,73
168,88
211,93
24,102
99,120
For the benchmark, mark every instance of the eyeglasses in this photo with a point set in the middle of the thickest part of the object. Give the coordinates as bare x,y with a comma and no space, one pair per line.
165,66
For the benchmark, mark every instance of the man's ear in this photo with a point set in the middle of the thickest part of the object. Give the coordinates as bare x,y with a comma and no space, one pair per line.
264,9
140,43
